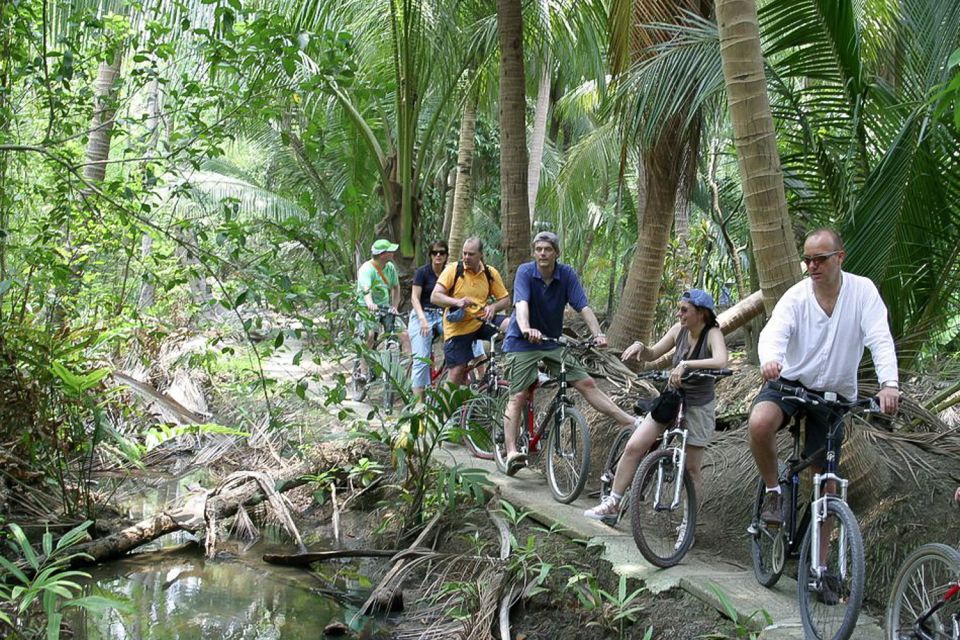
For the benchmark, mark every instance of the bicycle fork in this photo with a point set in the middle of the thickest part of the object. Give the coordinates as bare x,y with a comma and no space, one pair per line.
818,509
679,455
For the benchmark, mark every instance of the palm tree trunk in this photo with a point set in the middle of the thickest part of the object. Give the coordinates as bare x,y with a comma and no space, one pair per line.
104,108
514,215
463,190
449,193
538,137
775,250
635,316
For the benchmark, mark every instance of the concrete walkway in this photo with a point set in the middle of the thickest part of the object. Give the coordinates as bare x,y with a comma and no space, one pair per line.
699,573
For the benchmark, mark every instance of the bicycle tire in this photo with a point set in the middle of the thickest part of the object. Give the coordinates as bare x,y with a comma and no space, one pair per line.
391,365
357,384
837,621
921,582
659,531
499,440
610,470
568,456
768,546
479,419
613,459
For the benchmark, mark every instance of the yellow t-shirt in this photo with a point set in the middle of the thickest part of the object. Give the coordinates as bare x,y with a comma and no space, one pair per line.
472,285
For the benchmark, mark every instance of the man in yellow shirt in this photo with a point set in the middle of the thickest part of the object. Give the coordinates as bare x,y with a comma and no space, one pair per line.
472,293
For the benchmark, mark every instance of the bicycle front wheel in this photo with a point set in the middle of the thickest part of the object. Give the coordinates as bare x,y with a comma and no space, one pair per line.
830,605
481,417
922,583
568,456
663,509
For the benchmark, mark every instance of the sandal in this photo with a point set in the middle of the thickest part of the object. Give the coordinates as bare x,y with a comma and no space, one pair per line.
515,463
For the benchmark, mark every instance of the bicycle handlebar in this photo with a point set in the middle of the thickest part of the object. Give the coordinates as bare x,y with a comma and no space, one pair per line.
567,341
691,374
827,398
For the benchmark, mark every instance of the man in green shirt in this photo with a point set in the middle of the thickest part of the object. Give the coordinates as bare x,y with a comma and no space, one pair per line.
378,286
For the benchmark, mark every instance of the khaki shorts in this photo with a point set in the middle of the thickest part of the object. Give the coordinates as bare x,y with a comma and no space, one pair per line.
522,367
701,423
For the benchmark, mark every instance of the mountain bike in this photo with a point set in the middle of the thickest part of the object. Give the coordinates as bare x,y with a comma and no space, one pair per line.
560,431
480,416
382,364
924,601
830,598
663,498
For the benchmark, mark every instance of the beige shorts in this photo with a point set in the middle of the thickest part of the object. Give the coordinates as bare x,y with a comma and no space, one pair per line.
701,423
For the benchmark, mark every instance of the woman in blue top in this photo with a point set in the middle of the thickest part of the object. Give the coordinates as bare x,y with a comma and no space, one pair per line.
426,318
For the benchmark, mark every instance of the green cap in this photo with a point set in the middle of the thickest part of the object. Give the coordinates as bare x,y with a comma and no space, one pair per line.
382,245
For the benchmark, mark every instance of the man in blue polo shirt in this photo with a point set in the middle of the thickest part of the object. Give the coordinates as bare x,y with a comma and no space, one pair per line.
541,290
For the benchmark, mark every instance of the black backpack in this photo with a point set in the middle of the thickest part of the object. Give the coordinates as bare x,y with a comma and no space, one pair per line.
459,274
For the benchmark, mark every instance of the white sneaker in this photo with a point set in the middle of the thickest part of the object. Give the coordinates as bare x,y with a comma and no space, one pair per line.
607,511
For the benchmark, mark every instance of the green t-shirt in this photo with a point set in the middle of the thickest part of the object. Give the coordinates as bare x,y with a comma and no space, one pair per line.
369,280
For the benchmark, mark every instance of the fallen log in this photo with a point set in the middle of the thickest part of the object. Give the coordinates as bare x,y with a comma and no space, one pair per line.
305,559
190,515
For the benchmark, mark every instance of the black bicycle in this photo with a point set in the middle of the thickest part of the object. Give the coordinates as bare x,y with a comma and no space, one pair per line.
663,498
830,572
383,367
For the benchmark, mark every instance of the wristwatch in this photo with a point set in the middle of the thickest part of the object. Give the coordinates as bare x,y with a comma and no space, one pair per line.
890,384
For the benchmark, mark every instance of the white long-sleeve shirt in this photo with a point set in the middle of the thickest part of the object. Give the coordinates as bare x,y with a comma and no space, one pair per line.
823,352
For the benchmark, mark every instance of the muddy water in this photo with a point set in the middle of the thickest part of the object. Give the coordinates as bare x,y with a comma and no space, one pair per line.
174,593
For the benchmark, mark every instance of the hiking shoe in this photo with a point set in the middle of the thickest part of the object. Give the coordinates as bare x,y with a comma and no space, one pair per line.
607,511
772,512
515,463
828,589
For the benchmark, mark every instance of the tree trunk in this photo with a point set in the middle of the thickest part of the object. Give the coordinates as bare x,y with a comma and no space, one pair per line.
449,193
635,316
104,108
514,215
148,293
537,139
463,190
775,250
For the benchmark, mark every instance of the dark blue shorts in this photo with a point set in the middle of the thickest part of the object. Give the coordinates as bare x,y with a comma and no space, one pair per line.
459,349
818,423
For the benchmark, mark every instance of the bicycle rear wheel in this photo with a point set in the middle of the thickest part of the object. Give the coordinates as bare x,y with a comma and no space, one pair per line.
830,605
480,418
610,469
768,545
663,533
568,456
357,383
923,581
523,438
392,373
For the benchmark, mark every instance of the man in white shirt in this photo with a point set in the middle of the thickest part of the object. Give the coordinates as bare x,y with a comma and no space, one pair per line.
815,338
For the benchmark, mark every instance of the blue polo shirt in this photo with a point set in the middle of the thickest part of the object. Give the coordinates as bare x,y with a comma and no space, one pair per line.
545,302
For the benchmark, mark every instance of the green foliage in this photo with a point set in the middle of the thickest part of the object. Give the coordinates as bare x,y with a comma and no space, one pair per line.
744,626
609,611
45,584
